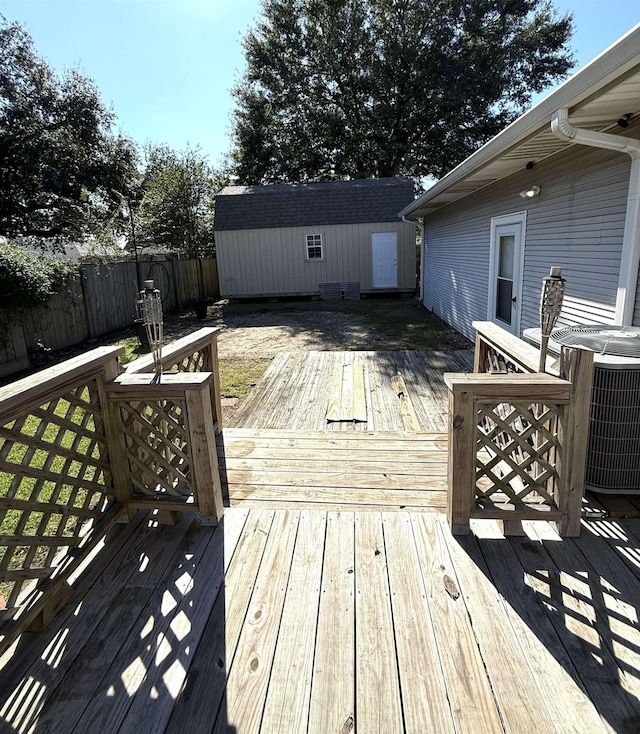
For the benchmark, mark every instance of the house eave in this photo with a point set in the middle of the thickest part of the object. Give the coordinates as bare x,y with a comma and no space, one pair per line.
597,96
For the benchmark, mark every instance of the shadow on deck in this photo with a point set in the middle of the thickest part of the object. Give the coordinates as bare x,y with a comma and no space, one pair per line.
286,621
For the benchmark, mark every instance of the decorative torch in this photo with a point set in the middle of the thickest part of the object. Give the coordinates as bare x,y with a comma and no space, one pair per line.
151,308
550,305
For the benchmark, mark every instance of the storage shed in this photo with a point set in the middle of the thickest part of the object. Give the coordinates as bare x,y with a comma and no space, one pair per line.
291,239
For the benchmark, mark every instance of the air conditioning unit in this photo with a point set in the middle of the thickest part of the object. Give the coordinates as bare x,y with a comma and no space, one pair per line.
613,449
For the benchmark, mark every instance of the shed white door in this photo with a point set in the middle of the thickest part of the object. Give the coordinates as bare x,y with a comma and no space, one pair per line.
507,238
384,250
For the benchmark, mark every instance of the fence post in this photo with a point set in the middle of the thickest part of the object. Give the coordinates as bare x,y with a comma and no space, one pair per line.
461,457
576,366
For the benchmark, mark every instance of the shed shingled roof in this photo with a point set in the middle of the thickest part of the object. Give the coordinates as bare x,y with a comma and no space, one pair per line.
310,204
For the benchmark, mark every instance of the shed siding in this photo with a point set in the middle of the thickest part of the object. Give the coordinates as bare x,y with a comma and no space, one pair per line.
577,223
263,262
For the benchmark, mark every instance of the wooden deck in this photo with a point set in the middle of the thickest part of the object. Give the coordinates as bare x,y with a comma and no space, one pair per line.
314,621
334,470
302,612
315,391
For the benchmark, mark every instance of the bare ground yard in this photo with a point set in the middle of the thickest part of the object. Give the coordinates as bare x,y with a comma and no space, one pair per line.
253,333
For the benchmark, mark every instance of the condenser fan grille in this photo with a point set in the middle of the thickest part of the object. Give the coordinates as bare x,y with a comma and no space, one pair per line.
618,341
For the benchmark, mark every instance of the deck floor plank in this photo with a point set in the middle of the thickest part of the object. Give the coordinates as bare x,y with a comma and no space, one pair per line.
468,689
132,667
300,390
287,704
525,610
248,678
514,686
332,704
602,632
424,694
385,622
396,470
202,695
153,705
359,392
61,654
378,703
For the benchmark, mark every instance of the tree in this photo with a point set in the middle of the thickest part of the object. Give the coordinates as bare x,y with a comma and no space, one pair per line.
339,89
61,168
177,201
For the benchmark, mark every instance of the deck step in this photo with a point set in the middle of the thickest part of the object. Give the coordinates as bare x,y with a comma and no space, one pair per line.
323,469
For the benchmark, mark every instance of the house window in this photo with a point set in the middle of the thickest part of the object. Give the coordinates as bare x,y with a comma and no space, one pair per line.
314,247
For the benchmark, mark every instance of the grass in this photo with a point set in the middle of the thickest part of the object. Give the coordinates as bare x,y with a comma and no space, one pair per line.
131,348
239,376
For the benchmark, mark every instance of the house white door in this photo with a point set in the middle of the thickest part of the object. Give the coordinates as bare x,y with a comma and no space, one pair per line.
505,271
384,252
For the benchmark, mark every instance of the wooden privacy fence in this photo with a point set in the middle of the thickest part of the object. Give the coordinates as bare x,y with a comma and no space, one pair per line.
517,438
81,445
102,299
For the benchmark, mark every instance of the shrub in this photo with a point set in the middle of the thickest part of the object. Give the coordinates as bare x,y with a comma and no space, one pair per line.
28,279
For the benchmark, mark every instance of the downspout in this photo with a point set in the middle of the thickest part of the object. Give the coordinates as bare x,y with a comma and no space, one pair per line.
408,221
630,257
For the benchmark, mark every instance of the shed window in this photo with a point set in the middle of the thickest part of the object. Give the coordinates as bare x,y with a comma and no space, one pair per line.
314,247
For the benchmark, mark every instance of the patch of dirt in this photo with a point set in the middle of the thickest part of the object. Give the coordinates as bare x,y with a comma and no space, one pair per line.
261,331
253,333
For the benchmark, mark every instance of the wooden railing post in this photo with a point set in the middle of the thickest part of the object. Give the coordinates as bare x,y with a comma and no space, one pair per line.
206,475
211,362
122,487
461,458
480,354
176,436
576,366
181,354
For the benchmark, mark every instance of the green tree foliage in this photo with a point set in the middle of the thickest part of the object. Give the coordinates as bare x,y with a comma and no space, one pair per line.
358,88
176,211
29,279
61,168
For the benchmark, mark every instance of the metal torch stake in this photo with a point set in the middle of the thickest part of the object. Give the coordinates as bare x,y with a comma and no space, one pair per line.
550,307
151,306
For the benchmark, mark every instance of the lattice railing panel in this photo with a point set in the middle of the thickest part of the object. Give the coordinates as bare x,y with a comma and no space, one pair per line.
157,446
496,362
54,483
517,450
195,362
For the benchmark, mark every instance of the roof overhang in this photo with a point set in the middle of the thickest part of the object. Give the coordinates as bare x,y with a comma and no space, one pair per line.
597,96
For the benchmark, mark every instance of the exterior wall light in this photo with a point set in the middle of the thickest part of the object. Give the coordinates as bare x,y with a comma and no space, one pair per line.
530,192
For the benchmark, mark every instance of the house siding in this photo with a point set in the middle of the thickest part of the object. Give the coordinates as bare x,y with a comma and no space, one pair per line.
577,223
272,261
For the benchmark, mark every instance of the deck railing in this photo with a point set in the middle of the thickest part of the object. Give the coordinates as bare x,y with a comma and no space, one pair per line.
82,445
56,489
196,352
517,438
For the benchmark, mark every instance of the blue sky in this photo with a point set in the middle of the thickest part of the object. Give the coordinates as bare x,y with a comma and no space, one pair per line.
166,67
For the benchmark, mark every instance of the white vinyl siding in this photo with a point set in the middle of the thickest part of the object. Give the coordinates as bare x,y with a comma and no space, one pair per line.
576,222
272,262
